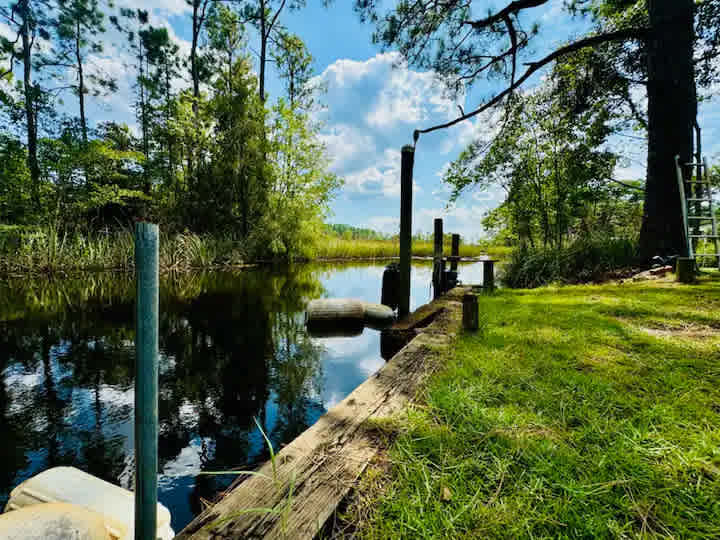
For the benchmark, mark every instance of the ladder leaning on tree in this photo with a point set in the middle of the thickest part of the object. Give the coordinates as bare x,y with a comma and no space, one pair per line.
697,210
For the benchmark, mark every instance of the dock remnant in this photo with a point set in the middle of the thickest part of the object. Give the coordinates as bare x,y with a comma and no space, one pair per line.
685,269
390,284
313,473
406,187
470,312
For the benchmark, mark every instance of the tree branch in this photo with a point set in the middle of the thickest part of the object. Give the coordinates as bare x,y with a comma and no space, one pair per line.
511,9
629,33
274,19
629,186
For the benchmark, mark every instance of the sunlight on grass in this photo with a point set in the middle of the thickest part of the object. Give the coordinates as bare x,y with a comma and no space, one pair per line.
566,417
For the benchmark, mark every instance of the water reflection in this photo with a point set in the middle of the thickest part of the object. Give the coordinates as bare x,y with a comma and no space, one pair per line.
233,347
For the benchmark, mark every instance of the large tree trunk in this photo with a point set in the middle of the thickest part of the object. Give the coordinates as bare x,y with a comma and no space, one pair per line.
263,50
30,98
672,109
81,84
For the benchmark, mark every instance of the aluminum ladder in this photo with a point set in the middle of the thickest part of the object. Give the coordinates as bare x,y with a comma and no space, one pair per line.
697,209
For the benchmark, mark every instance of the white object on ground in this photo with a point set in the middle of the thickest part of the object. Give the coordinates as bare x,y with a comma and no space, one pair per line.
57,521
71,485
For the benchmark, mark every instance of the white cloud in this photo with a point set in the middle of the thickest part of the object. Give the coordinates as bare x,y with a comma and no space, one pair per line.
384,224
346,146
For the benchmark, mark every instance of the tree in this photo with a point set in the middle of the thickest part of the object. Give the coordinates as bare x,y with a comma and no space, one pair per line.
294,64
79,25
263,14
28,20
463,48
199,16
549,163
228,192
301,188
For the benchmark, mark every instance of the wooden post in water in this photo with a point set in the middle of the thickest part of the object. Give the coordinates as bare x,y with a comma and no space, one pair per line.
406,187
488,275
146,380
437,257
455,252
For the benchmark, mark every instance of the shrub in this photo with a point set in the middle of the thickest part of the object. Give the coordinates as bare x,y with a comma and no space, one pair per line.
583,261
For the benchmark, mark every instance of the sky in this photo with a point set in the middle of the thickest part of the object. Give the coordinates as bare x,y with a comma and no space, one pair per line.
372,105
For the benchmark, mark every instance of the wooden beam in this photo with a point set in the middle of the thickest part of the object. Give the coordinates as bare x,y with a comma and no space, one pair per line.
317,470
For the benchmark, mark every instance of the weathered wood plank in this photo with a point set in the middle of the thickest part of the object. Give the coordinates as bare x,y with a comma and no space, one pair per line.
320,466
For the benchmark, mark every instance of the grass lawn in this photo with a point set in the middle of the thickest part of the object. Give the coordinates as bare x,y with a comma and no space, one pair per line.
576,412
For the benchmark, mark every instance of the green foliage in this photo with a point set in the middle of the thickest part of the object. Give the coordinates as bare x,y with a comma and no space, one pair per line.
554,171
577,412
585,260
211,161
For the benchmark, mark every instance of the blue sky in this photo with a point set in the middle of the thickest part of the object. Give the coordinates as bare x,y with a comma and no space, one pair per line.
371,109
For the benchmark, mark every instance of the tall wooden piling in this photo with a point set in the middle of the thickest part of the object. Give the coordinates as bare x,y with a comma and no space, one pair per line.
146,380
437,257
406,187
455,252
488,275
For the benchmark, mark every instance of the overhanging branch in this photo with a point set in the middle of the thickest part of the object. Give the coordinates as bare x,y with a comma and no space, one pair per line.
629,33
511,9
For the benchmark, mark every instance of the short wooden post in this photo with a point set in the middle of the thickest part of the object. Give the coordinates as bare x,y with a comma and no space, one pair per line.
437,257
455,252
406,186
146,380
470,312
685,269
488,275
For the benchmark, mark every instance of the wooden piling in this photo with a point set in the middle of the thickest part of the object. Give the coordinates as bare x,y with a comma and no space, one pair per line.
437,258
685,269
470,312
488,275
455,252
406,186
146,380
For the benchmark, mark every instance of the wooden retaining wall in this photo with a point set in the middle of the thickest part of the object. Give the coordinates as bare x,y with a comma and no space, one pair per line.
317,470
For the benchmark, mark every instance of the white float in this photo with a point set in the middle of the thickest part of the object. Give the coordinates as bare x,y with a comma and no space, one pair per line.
80,490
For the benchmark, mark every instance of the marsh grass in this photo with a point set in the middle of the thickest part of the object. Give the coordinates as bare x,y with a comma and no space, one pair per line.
578,412
50,250
332,247
584,261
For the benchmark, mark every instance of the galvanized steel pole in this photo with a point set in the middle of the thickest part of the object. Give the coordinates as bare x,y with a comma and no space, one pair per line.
406,186
146,380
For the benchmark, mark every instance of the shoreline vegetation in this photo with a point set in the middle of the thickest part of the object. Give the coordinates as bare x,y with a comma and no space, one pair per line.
49,251
586,411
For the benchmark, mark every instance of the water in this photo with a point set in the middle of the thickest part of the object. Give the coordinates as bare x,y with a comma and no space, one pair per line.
233,348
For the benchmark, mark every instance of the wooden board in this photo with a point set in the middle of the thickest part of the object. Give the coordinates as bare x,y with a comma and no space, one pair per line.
321,465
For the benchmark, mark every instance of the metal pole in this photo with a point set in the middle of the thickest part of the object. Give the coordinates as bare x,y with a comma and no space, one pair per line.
406,186
437,257
146,380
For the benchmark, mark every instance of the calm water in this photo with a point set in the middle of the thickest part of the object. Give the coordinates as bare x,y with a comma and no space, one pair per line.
233,348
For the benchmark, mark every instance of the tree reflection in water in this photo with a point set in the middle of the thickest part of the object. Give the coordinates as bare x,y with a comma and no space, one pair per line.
233,347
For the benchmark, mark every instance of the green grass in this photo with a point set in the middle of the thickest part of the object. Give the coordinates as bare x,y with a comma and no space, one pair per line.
330,247
576,412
